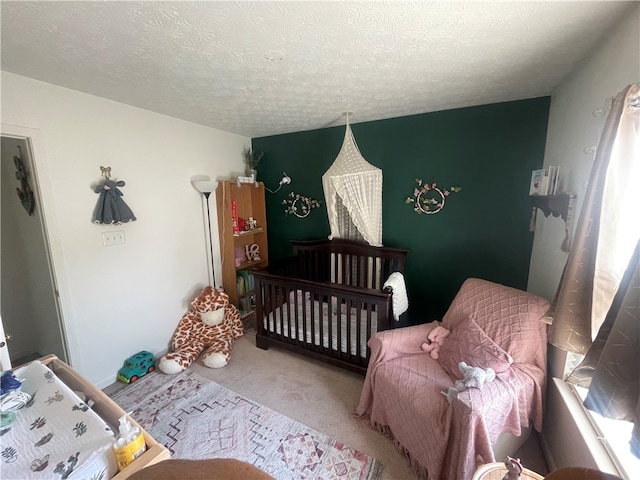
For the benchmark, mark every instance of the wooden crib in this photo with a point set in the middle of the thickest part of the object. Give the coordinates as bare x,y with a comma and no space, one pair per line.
327,300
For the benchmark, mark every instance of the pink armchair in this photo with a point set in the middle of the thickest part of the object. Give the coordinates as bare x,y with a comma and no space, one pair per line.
491,326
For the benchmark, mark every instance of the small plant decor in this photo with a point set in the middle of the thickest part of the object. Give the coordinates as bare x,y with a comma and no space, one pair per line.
252,157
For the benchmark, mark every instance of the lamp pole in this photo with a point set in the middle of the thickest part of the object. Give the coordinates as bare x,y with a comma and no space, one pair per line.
213,274
205,187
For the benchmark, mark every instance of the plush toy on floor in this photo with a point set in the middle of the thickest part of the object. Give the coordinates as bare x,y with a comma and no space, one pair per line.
472,377
435,339
211,324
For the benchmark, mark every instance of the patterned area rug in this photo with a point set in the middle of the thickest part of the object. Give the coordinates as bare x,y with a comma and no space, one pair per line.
196,418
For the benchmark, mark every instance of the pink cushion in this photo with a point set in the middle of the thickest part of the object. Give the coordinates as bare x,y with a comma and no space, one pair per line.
469,343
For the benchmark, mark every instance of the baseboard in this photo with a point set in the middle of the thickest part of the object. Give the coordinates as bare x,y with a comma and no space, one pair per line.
548,454
104,383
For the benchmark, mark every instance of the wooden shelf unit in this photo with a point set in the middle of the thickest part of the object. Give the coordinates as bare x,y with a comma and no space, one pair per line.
250,201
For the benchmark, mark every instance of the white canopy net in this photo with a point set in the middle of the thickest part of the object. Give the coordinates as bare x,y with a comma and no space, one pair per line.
353,195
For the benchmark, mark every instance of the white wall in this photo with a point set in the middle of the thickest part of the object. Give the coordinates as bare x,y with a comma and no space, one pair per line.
120,299
614,64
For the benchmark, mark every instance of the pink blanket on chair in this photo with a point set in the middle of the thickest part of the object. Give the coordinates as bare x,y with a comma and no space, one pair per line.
402,397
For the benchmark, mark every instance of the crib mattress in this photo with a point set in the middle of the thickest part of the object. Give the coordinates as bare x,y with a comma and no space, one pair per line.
56,435
325,313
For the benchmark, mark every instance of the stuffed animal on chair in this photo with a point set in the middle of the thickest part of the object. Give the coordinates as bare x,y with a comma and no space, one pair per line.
473,377
435,339
210,325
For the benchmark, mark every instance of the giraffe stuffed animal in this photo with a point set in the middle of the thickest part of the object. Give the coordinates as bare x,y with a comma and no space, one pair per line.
211,325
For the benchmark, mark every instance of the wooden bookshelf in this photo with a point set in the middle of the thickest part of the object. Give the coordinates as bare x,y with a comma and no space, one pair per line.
250,202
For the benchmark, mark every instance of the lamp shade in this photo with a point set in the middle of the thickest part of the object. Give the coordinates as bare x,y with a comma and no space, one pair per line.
204,186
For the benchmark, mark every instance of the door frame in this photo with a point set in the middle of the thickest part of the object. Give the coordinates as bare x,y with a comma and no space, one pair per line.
5,359
41,184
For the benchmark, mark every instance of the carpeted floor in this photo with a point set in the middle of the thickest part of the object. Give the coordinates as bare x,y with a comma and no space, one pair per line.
320,396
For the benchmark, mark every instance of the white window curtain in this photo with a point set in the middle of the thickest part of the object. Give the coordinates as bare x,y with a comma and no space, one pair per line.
353,195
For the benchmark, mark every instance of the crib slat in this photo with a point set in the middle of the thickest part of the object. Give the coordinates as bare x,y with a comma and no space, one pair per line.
359,332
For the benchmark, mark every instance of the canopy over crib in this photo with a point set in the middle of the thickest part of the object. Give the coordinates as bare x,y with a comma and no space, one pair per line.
353,195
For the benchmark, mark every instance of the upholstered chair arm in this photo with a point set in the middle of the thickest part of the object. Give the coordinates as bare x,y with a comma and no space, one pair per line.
500,406
385,346
469,410
399,342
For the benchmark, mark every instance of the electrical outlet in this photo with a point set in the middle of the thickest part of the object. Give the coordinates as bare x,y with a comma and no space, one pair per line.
113,238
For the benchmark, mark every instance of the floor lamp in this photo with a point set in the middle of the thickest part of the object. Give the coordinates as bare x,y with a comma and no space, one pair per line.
206,187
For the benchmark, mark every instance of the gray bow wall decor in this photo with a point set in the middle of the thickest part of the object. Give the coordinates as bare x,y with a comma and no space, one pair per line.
111,208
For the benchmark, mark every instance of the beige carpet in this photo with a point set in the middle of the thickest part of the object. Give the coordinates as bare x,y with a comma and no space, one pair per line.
318,395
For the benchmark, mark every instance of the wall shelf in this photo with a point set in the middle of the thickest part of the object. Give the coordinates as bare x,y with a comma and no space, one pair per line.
556,205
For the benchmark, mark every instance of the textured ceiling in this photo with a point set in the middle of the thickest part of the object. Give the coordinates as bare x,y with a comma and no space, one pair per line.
264,68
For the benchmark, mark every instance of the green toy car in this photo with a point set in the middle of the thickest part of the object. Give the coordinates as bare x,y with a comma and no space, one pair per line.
137,366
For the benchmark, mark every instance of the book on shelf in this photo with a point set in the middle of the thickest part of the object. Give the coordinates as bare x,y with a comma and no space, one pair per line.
234,217
244,282
544,181
556,181
537,177
553,178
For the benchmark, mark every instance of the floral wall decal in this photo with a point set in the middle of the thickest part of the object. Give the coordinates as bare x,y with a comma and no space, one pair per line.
299,205
429,198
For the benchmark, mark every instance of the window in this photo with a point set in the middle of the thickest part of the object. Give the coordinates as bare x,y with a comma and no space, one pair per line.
614,435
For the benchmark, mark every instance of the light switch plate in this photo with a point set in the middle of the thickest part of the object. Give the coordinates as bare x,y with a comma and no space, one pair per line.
113,238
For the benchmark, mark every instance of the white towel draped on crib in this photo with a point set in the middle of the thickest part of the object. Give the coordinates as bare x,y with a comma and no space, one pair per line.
400,299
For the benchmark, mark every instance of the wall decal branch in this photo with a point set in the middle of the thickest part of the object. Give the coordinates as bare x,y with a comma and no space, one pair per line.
429,198
299,205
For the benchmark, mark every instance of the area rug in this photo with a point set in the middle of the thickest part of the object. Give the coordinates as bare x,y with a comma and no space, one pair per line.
197,418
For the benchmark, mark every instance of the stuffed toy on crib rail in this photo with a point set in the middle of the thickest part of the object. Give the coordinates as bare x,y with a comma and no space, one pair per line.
211,325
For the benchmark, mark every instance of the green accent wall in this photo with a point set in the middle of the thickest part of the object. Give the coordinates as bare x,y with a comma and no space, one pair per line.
482,231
